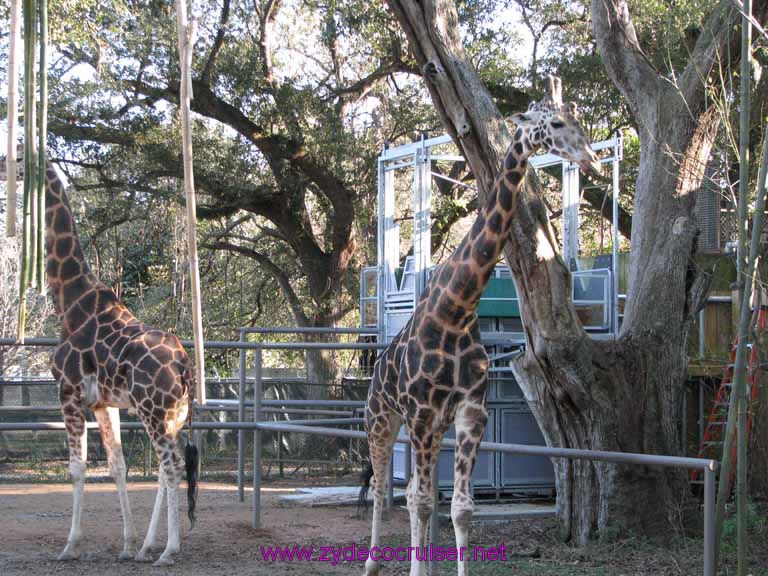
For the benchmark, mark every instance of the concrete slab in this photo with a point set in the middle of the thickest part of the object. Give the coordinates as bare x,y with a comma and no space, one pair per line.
505,511
330,496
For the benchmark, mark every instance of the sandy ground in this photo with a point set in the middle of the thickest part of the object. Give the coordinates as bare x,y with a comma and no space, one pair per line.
34,520
35,523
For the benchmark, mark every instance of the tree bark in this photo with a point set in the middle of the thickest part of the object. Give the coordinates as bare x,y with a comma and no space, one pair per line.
624,394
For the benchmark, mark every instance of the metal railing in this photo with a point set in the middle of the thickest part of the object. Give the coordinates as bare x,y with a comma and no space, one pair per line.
321,427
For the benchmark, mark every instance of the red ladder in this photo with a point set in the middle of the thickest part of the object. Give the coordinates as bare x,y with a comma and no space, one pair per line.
714,433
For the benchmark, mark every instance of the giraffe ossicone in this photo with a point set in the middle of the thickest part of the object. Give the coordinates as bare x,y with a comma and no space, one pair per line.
434,372
108,360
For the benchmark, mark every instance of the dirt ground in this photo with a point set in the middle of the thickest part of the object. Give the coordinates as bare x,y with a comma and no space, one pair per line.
34,519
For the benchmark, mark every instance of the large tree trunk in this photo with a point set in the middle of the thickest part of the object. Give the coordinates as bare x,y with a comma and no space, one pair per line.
625,394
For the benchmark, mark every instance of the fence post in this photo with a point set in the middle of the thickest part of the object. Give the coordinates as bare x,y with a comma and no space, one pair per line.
709,521
147,456
257,393
241,418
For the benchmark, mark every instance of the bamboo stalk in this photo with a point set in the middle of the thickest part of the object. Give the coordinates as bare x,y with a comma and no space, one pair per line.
32,175
186,39
43,136
737,404
13,115
29,172
740,381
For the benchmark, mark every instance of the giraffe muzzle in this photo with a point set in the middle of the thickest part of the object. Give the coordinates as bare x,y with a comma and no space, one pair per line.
590,165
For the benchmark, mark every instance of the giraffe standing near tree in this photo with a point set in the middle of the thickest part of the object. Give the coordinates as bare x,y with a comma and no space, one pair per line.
434,372
107,360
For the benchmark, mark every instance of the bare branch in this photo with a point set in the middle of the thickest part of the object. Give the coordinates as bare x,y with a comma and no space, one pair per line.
362,87
274,270
267,15
624,60
218,42
711,48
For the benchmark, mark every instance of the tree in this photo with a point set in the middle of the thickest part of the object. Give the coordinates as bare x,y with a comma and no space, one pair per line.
624,394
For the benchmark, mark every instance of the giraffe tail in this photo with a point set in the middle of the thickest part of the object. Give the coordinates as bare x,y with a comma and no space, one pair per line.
191,457
192,463
365,481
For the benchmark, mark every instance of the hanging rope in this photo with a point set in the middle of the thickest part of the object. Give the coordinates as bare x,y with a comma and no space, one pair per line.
186,39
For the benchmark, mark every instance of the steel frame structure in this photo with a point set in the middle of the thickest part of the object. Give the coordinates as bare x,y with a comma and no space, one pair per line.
419,156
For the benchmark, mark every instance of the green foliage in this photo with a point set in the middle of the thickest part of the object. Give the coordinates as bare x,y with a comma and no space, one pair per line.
114,123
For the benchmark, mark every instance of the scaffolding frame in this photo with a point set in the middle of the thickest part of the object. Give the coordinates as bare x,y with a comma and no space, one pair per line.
419,156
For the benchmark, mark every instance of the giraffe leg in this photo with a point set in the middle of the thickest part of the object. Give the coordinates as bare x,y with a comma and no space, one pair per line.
421,493
470,424
109,425
381,438
150,541
170,460
77,437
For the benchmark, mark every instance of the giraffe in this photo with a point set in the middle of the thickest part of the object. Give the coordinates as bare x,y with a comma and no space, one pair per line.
434,372
107,360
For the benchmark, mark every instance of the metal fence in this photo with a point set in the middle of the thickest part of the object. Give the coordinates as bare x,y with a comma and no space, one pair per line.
320,427
26,455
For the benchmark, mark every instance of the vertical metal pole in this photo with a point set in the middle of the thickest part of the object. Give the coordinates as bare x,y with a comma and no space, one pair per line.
241,418
147,456
617,153
709,521
684,422
702,418
434,520
408,463
570,217
256,523
422,205
381,250
702,334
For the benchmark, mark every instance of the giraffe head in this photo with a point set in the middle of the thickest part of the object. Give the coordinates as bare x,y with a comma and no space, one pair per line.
19,165
554,126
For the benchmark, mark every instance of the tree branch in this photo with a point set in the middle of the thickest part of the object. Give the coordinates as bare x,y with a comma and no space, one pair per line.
629,68
275,271
218,42
712,47
362,87
267,16
602,201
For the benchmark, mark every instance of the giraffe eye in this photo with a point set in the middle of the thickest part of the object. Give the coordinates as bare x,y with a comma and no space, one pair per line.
557,125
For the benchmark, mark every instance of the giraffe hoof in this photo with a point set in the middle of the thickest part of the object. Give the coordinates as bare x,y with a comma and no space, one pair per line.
372,568
164,561
127,555
69,554
143,556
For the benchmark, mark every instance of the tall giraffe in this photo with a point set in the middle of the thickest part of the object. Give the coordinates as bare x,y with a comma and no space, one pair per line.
107,360
434,372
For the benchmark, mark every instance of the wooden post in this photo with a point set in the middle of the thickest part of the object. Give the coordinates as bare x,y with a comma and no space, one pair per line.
13,114
186,39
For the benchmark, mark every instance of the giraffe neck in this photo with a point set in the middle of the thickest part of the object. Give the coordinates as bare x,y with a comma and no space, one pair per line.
68,273
458,284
